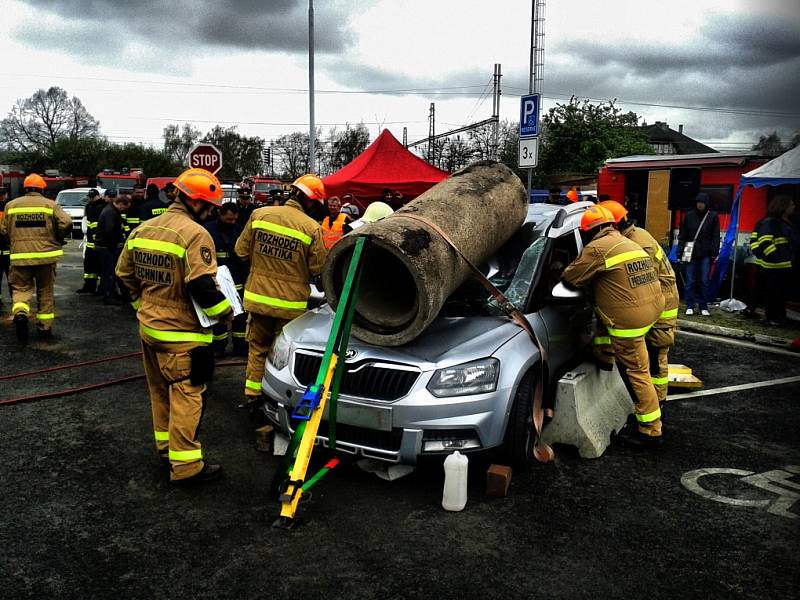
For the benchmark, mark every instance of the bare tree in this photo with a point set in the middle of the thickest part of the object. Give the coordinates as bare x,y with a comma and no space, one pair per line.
178,142
455,154
38,122
292,152
347,145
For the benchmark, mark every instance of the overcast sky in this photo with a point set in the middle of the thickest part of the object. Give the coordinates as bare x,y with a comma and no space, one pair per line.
728,70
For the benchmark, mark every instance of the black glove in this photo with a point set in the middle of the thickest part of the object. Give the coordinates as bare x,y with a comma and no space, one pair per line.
202,370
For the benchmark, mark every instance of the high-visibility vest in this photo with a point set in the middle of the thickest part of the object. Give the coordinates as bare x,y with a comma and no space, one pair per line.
331,235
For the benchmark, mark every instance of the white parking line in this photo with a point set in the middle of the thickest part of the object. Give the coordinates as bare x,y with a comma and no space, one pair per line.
735,388
744,344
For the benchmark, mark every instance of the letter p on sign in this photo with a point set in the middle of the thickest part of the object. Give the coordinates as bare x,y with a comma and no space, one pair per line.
529,116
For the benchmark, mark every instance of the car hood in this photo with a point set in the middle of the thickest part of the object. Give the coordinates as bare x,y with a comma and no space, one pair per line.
448,340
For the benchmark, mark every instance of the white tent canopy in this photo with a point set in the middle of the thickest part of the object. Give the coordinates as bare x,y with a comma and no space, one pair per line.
786,166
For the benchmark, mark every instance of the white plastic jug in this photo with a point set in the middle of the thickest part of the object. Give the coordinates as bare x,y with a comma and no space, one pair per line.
454,496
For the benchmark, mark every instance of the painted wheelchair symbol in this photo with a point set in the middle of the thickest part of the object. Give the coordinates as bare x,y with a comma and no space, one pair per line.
776,482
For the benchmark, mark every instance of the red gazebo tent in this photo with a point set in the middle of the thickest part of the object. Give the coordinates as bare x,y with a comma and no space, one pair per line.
384,164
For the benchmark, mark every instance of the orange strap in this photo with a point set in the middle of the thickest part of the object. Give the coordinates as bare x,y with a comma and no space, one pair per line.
541,451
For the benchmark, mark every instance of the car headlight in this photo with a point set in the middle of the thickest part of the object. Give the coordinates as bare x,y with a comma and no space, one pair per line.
476,377
280,352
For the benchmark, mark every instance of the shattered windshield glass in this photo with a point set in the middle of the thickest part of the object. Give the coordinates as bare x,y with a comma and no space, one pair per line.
517,291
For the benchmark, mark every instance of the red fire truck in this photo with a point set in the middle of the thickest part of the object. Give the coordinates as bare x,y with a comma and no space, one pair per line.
11,178
261,187
122,181
55,182
659,189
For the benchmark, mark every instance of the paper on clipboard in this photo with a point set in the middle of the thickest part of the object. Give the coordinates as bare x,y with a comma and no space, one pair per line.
228,289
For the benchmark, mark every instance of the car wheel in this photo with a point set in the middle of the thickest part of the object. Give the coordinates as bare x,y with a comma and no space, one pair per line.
519,439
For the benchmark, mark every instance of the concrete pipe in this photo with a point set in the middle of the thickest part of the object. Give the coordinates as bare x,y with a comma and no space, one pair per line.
409,270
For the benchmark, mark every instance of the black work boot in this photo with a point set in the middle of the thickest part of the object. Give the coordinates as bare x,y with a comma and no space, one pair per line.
44,334
632,437
21,325
207,473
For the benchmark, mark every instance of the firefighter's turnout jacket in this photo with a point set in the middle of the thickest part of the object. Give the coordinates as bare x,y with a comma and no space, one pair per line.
36,227
159,262
284,247
332,233
771,244
627,292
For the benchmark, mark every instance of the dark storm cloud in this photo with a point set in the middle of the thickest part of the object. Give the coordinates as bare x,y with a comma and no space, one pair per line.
276,25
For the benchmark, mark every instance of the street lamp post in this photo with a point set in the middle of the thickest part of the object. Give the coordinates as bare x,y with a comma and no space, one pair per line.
312,150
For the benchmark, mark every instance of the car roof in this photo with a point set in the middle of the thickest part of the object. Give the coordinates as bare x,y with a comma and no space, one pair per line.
547,216
85,190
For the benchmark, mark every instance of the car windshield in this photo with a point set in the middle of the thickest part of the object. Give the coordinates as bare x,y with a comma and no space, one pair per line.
511,270
71,198
265,187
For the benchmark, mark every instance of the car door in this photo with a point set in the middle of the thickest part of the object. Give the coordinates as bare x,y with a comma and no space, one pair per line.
568,323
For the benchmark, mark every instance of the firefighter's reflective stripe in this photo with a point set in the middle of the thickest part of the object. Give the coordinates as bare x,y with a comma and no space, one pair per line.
30,210
168,247
136,303
768,265
239,334
281,230
133,220
659,253
274,302
252,385
46,316
90,276
91,224
649,417
161,436
29,255
625,256
629,333
601,340
185,455
668,314
239,286
660,380
770,249
221,336
223,254
90,244
177,336
217,308
158,211
757,240
21,306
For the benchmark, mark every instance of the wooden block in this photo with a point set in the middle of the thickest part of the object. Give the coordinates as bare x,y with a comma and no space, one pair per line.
498,479
264,438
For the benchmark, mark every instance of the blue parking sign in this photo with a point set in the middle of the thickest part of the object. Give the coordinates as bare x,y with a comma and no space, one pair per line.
529,116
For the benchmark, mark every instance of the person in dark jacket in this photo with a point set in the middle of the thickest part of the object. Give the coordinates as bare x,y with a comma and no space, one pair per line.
91,263
700,228
153,206
246,206
774,243
108,239
225,231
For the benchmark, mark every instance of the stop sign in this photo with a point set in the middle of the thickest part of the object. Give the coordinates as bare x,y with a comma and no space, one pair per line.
205,156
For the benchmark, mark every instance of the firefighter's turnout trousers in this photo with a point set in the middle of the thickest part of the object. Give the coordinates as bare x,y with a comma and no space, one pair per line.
261,332
23,281
176,404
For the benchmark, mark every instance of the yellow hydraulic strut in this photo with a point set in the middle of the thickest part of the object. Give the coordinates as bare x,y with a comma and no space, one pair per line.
323,392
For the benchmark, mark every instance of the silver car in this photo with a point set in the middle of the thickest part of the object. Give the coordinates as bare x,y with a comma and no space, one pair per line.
464,384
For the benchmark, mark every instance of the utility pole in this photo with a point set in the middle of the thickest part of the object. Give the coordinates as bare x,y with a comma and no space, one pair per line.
405,137
312,150
496,112
537,58
432,134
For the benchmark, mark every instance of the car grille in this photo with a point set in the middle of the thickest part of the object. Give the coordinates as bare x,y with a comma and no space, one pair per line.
360,379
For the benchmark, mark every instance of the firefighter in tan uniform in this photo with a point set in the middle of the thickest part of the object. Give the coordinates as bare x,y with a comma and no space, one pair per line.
661,336
284,247
165,263
35,227
628,300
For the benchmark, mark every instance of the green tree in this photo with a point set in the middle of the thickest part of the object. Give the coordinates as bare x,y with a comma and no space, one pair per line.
178,141
38,122
346,145
577,137
241,155
770,145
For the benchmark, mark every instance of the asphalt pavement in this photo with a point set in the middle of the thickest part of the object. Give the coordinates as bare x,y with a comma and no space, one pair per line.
714,513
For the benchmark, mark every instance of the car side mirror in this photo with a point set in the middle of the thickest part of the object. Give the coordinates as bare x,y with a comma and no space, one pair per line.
562,292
